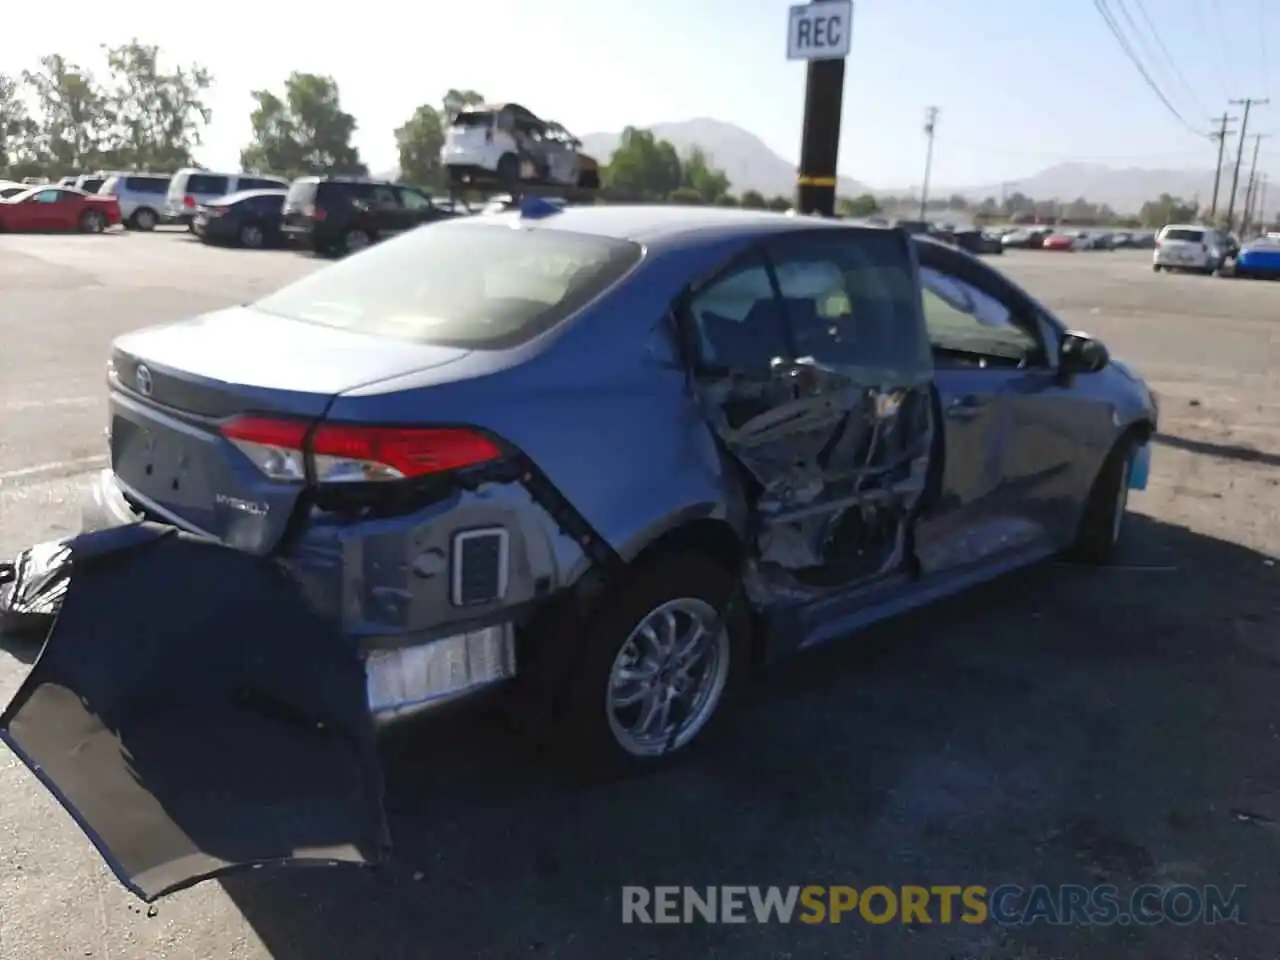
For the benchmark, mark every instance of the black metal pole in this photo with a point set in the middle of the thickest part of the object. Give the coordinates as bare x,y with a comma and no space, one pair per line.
820,139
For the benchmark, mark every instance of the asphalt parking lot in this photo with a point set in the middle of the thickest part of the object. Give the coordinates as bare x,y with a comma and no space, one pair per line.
1064,725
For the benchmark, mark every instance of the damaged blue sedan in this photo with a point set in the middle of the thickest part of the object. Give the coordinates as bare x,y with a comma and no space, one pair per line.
607,461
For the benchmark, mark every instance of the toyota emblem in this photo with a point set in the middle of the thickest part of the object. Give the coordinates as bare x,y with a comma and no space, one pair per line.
142,378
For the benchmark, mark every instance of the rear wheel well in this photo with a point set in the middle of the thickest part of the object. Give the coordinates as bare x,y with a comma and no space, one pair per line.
1139,432
714,539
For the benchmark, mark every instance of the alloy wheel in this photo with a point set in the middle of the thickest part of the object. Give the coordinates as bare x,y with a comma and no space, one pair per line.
668,677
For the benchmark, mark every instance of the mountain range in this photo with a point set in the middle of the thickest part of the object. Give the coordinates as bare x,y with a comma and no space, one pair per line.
751,164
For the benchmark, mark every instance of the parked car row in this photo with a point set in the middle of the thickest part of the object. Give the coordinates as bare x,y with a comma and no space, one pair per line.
1074,238
327,215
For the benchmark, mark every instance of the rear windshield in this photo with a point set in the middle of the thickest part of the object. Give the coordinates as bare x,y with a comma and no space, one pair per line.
90,184
459,283
206,184
473,118
1191,236
301,192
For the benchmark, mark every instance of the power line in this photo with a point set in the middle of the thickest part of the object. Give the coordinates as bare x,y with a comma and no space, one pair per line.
1169,60
1114,27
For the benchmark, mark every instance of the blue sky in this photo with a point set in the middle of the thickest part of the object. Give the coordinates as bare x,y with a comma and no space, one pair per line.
1021,85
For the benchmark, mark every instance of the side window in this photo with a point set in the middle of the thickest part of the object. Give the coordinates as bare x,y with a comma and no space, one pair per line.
850,300
738,322
970,328
413,200
50,196
384,198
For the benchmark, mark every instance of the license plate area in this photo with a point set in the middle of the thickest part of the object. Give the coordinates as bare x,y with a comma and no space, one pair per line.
168,463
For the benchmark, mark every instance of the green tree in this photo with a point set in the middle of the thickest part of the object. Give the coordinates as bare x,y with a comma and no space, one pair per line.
727,200
74,116
780,204
697,173
753,200
419,142
157,115
17,129
456,100
644,166
305,131
1166,209
865,205
686,196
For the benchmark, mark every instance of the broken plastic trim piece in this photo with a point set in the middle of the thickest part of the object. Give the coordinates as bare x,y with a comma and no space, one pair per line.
195,716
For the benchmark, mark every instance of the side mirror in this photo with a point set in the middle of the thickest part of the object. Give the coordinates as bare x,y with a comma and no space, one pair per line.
1081,353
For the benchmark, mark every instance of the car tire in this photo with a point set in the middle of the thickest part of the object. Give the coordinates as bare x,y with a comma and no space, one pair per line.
251,237
1102,526
144,219
1156,268
509,169
93,221
355,240
572,702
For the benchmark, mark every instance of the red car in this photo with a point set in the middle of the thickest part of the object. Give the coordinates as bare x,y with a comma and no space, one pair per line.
1059,241
47,208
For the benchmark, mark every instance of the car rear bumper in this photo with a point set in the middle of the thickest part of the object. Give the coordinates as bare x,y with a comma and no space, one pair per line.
408,671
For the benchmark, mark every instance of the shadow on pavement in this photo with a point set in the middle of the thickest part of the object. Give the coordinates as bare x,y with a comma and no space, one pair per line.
1227,451
1063,725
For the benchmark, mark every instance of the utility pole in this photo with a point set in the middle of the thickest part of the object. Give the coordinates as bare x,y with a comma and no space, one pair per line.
821,34
1249,196
930,122
1262,205
1220,135
1248,103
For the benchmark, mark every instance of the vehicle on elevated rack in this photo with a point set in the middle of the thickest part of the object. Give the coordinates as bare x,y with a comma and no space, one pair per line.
508,144
603,460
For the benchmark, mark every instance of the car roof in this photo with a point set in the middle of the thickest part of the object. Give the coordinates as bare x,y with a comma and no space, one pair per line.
656,225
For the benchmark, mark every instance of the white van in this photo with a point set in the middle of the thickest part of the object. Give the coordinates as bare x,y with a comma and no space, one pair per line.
1189,246
190,188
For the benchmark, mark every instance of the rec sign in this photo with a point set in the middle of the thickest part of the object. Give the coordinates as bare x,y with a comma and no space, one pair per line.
820,31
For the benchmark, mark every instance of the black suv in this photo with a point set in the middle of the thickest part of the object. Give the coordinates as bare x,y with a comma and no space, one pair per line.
344,214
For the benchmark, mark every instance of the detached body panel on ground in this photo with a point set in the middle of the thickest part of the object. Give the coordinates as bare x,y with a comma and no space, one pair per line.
572,450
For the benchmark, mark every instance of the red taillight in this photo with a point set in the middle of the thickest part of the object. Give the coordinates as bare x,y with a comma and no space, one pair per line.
343,453
214,211
1157,244
409,452
189,202
313,212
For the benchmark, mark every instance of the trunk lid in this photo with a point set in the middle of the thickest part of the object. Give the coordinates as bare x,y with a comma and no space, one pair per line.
172,387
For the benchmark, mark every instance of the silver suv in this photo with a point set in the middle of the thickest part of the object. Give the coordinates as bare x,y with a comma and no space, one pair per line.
141,197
